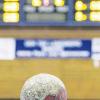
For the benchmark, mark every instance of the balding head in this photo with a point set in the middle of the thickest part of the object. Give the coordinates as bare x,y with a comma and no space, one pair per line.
43,87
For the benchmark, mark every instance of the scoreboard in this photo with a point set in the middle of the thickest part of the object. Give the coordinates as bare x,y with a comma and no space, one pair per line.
49,12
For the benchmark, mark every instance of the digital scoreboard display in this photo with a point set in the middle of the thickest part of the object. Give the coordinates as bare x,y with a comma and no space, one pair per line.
50,13
87,10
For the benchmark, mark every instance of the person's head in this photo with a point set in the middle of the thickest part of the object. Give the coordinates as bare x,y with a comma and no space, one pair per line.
43,87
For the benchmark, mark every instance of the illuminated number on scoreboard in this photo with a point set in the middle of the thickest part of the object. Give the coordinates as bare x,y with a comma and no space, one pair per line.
80,16
59,2
11,11
95,5
46,2
36,3
95,16
79,5
11,7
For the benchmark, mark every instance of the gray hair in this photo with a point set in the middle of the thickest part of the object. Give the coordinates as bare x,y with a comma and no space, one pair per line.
40,86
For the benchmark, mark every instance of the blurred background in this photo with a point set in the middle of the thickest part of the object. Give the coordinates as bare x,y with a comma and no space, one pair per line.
80,76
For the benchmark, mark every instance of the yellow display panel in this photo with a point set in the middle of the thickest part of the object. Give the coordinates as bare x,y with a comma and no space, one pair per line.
11,17
79,5
95,16
95,5
80,16
11,6
36,3
59,2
